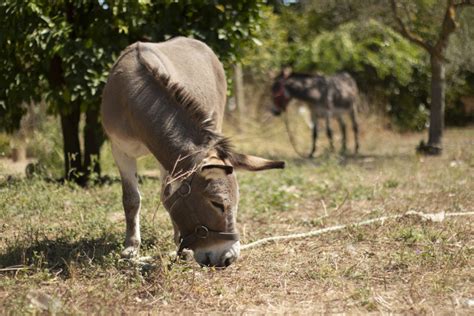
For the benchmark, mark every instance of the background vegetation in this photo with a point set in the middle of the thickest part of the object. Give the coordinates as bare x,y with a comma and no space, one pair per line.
60,53
360,37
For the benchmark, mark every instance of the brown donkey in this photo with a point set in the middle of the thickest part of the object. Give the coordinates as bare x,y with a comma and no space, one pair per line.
168,99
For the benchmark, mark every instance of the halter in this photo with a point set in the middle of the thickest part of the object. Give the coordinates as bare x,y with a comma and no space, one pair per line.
180,196
281,94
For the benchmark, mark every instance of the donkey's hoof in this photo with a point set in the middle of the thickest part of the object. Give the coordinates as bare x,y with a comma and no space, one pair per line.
129,252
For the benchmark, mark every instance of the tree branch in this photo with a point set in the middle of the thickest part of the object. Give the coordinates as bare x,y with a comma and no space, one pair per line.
448,27
464,3
406,32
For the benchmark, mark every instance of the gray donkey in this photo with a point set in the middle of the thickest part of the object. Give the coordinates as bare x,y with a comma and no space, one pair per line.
326,97
167,99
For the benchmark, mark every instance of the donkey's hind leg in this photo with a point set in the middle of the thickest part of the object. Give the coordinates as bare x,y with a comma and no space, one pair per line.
329,131
314,119
355,128
342,125
130,199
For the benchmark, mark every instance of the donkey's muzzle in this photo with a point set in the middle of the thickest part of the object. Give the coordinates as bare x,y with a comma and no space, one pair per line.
220,256
276,111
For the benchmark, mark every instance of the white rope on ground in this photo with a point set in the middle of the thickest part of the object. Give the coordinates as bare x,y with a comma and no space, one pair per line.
435,217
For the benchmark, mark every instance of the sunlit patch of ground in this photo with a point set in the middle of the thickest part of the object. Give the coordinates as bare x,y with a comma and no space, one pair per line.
9,167
60,245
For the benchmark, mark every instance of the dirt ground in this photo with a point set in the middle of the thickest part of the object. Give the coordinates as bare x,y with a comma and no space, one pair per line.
60,245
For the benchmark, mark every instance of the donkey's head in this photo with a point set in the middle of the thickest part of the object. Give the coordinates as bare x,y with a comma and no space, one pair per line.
280,95
203,206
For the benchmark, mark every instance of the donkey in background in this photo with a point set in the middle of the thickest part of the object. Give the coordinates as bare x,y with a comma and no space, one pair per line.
326,97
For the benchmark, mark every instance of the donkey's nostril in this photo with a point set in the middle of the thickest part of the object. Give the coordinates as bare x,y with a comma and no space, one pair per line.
207,260
276,112
227,262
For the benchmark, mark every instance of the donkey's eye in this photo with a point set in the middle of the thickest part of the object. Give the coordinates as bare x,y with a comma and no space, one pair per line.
219,206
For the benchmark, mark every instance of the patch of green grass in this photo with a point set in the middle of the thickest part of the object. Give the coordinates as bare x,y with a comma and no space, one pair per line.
391,184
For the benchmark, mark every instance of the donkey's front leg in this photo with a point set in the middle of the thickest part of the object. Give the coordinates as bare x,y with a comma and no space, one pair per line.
131,201
342,125
314,121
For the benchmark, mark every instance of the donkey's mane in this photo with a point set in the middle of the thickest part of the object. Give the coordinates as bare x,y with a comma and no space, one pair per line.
184,99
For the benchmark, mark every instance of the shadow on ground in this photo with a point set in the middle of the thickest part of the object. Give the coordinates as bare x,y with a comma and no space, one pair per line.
61,254
102,181
346,159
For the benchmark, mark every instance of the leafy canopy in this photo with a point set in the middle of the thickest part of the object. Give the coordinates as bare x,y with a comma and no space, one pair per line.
355,47
61,50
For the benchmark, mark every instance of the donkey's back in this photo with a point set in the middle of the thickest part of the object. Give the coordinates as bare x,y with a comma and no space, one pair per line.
131,93
342,92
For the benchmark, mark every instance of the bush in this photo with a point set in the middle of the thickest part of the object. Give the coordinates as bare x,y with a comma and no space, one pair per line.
381,60
4,145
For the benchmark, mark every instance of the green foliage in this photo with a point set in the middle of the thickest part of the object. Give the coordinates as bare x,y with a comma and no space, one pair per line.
424,17
380,59
358,46
61,51
269,49
357,36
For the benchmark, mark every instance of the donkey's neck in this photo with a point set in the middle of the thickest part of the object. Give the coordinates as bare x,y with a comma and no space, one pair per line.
173,135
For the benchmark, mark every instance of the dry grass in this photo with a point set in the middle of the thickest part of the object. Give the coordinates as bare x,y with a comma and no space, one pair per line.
64,241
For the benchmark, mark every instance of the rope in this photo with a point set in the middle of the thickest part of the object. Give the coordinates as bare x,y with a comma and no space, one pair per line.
435,217
292,140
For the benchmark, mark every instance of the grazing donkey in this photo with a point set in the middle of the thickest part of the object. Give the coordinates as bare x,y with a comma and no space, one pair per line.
168,99
325,97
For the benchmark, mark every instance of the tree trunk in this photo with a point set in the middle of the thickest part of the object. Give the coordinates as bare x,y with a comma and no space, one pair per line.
93,140
71,146
438,87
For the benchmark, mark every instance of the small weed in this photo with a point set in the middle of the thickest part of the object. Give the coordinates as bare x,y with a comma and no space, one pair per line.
410,235
391,184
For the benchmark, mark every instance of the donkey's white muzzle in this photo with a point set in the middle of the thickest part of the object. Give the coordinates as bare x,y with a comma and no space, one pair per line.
221,254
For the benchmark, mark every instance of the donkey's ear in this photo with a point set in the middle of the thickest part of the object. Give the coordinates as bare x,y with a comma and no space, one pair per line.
253,163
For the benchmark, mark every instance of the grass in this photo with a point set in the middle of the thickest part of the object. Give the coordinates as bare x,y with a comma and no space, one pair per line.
61,244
